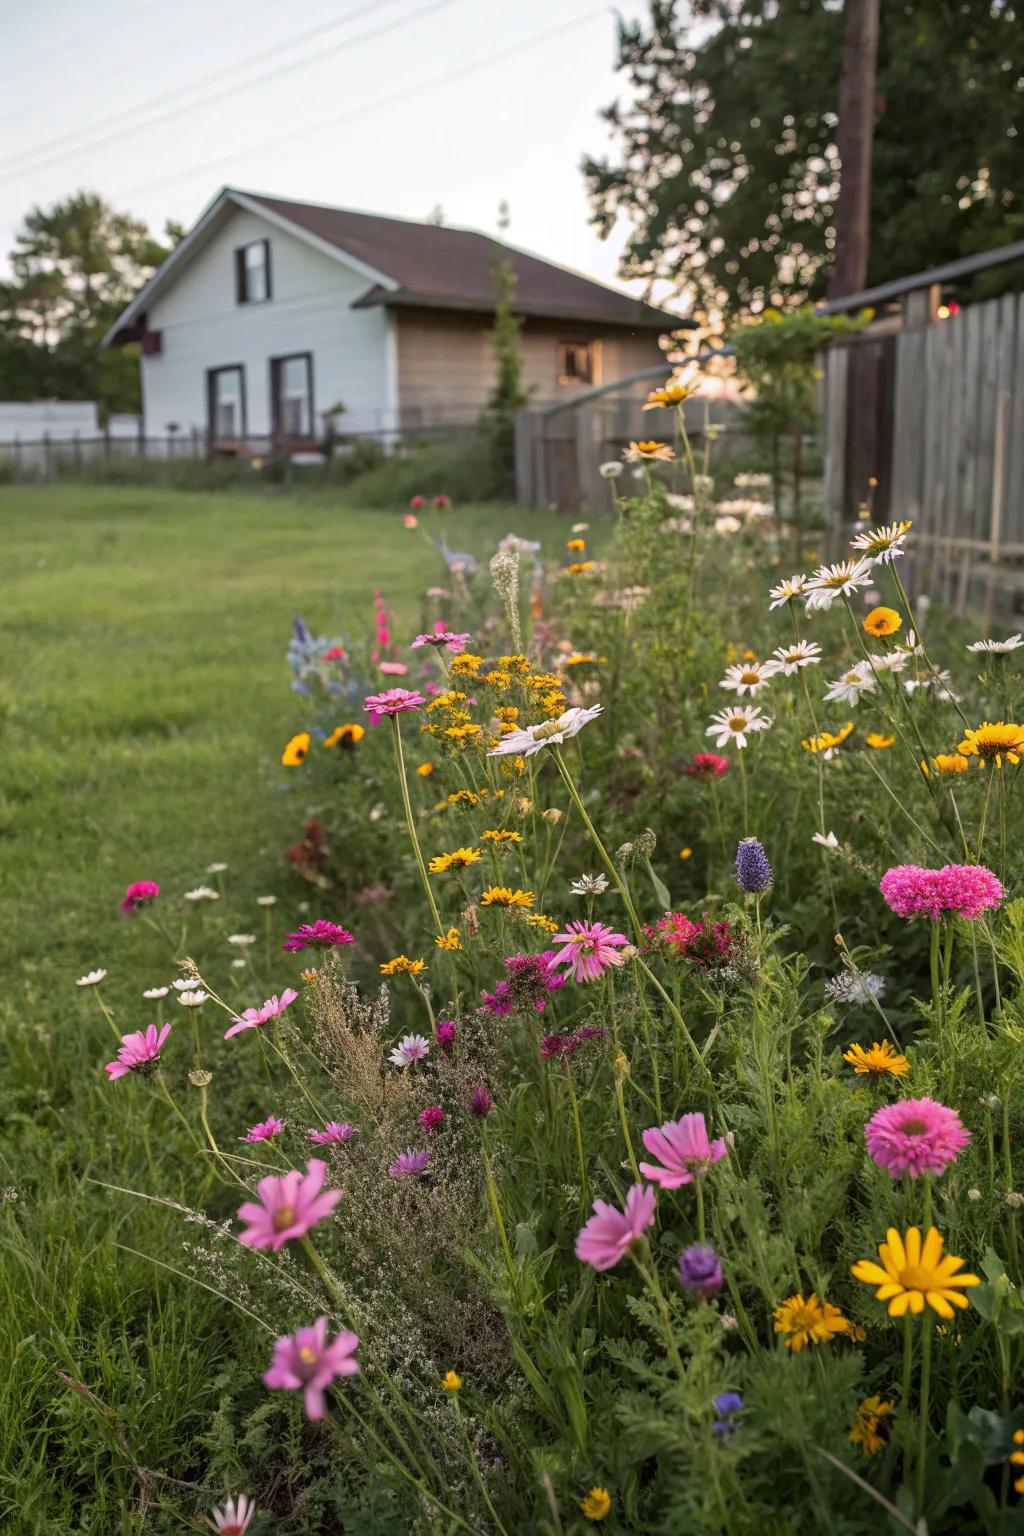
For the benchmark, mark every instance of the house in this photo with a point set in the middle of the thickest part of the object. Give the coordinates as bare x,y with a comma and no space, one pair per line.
275,320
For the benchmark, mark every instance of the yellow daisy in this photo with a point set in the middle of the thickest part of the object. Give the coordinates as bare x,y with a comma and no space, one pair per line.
297,750
881,622
449,940
597,1504
451,1381
877,741
457,859
504,896
538,920
500,835
879,1060
672,393
401,965
991,743
808,1322
425,770
913,1275
870,1432
648,449
345,736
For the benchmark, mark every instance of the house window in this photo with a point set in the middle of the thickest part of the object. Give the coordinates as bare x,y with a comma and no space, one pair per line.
291,390
252,272
577,362
225,389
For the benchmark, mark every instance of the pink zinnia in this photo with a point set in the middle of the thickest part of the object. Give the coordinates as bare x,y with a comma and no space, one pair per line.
394,668
138,893
138,1052
683,1150
305,1359
610,1233
289,1207
273,1008
456,643
333,1130
915,1137
590,948
321,934
968,890
266,1130
706,765
393,701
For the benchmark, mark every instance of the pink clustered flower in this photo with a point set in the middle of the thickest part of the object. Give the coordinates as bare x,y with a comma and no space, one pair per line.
393,701
305,1359
590,948
526,989
706,945
288,1207
456,642
318,935
273,1008
915,1137
138,1052
431,1119
138,894
409,1163
706,765
962,890
609,1234
333,1131
561,1047
445,1033
683,1149
266,1130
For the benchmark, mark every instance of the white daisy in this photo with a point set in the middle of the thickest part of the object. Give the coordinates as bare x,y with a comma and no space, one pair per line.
802,653
730,727
192,999
266,901
848,688
786,591
889,661
727,524
409,1049
881,546
748,677
589,885
238,965
526,743
611,470
202,893
91,979
839,580
827,840
242,940
998,647
752,482
215,869
185,985
153,994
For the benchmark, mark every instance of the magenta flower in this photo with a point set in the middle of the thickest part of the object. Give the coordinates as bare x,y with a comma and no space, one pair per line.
273,1008
265,1131
683,1150
590,948
318,935
968,890
332,1131
530,980
305,1359
431,1119
138,1052
289,1207
138,894
915,1137
393,701
456,643
234,1519
609,1234
480,1102
409,1163
706,765
445,1033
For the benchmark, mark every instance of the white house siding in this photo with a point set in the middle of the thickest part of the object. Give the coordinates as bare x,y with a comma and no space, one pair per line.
309,311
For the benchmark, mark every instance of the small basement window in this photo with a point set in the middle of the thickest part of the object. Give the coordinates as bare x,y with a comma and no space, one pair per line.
577,362
252,272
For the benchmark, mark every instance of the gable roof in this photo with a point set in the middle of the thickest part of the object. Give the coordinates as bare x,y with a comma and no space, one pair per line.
426,265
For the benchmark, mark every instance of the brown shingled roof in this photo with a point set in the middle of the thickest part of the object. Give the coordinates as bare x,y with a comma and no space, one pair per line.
446,268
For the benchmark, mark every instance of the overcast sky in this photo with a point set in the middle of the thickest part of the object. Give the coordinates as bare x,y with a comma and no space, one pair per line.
394,106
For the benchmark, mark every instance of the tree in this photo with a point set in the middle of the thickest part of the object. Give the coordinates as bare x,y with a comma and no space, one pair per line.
854,140
508,395
74,268
728,165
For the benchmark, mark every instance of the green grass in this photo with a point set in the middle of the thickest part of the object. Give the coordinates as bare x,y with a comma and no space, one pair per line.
143,702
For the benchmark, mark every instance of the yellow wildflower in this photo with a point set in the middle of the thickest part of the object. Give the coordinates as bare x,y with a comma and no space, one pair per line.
500,835
882,622
345,736
686,853
297,750
672,393
580,567
449,940
457,859
991,743
401,965
576,545
504,896
425,770
451,1381
808,1322
465,665
538,920
870,1431
879,1060
597,1504
950,763
877,741
913,1275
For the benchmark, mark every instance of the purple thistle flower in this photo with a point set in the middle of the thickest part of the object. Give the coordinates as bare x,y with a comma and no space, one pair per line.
445,1033
333,1130
480,1102
700,1272
432,1119
753,872
409,1163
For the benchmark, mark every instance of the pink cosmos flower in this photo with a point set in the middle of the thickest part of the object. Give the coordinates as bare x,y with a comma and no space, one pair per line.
915,1137
431,1119
234,1519
590,948
305,1359
333,1130
266,1130
138,894
393,701
409,1163
321,934
610,1233
273,1008
456,643
394,668
683,1150
138,1052
289,1207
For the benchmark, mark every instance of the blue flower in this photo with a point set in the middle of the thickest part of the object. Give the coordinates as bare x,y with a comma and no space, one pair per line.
753,872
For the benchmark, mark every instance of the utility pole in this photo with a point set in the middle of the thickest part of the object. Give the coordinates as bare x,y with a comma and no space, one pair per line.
855,140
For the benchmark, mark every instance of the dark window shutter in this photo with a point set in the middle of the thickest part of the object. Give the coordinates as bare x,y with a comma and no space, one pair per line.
266,268
240,293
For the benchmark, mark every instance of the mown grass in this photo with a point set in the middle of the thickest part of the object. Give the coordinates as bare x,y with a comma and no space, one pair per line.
143,699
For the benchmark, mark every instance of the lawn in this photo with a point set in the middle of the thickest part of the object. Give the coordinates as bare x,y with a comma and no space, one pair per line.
143,702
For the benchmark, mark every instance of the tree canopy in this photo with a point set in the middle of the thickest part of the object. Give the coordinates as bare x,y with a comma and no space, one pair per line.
726,164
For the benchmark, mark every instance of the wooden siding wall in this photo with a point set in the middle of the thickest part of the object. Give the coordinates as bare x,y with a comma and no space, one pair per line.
941,424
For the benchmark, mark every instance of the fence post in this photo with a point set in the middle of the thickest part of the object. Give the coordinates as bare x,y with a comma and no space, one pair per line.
46,456
106,439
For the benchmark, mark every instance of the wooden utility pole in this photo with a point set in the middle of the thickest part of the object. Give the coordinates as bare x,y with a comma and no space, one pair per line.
855,140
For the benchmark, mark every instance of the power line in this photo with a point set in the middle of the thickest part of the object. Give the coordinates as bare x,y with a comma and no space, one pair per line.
372,106
80,148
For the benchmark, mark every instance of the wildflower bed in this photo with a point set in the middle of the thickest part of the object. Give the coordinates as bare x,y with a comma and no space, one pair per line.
625,1135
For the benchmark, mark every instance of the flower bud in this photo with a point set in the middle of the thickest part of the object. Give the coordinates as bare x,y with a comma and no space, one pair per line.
200,1079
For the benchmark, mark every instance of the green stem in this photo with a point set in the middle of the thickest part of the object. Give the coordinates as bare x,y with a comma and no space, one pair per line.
584,1188
492,1196
699,1187
602,851
922,1436
328,1281
410,823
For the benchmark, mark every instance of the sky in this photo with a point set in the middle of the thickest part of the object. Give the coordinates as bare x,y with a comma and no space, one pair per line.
391,106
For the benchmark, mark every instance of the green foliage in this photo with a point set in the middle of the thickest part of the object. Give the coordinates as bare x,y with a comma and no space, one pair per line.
508,395
726,163
778,358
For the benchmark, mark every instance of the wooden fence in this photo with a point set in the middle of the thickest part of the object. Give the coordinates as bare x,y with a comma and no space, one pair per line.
935,413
